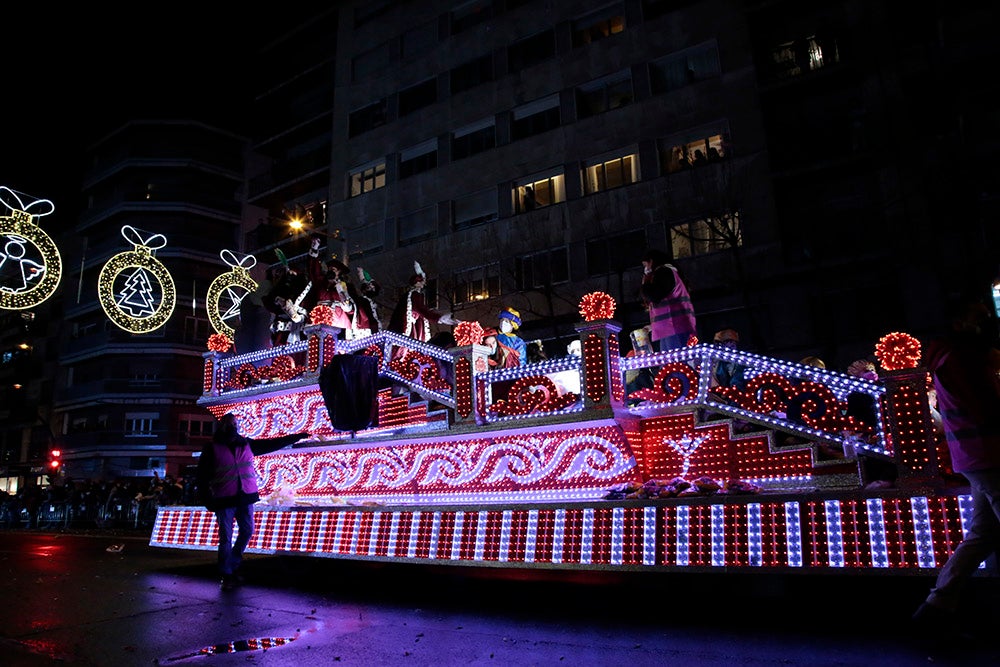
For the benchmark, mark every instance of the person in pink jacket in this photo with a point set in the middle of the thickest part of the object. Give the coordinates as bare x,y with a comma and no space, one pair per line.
671,314
227,485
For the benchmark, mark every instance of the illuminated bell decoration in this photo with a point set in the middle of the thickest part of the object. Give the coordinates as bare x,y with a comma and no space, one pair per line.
597,306
228,290
219,342
469,333
30,265
134,288
321,315
896,351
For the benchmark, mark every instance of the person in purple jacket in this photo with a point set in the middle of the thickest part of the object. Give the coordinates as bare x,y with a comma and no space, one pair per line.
964,365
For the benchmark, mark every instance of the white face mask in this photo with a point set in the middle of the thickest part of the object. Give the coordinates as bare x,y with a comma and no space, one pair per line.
506,326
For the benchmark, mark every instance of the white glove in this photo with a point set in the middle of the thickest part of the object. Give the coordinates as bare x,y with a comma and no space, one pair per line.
447,319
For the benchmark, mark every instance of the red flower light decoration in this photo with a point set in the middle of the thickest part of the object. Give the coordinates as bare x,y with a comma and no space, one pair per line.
896,351
468,333
597,306
321,315
692,340
219,342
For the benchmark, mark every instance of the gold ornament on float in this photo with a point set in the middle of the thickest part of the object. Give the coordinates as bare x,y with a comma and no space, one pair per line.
228,290
30,265
134,288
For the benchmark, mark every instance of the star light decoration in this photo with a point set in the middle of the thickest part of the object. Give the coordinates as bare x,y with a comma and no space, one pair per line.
896,351
597,306
134,288
469,333
30,265
219,342
228,290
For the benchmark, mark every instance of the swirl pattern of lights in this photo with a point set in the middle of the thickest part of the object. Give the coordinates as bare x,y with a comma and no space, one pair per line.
578,462
30,264
228,290
134,288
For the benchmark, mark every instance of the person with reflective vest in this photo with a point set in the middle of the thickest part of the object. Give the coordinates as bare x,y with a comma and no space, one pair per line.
227,485
671,313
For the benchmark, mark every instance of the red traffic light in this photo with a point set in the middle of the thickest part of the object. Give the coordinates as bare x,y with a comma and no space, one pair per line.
55,453
55,463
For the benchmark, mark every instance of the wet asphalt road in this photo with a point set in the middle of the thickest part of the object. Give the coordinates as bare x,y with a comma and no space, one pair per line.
67,600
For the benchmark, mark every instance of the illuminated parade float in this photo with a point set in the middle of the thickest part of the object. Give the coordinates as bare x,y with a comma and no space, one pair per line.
557,464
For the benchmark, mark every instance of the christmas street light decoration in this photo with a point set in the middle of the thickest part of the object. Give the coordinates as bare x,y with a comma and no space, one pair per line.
134,288
228,290
30,265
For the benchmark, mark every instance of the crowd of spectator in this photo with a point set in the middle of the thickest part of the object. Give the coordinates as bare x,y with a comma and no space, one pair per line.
121,503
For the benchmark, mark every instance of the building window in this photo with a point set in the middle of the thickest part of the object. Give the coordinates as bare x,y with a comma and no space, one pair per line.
470,14
368,64
707,235
417,159
804,55
610,174
420,40
471,74
615,254
472,139
475,208
542,269
531,50
367,239
610,92
598,25
687,154
368,118
417,97
539,193
682,69
196,426
478,284
368,178
141,424
536,117
144,379
417,225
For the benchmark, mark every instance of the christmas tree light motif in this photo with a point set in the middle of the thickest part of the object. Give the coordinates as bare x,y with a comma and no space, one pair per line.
137,298
686,446
134,288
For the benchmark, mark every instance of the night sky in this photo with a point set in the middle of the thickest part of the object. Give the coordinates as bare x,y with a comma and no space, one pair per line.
73,75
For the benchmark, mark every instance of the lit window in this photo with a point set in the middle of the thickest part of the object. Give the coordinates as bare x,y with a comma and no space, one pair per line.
477,284
366,179
707,235
539,193
610,174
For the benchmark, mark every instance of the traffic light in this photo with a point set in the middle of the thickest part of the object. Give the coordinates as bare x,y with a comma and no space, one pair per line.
55,460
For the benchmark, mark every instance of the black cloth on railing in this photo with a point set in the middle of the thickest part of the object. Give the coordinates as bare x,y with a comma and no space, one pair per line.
350,391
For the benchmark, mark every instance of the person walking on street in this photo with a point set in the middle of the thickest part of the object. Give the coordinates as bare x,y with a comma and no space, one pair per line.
227,483
671,314
964,365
